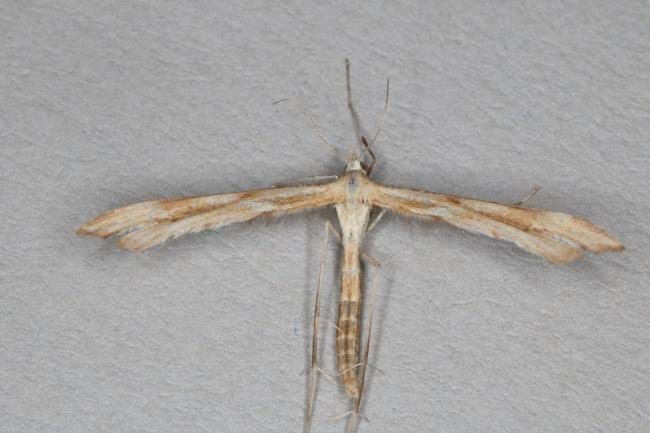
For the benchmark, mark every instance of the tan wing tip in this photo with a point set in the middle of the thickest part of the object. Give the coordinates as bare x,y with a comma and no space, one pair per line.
93,228
88,229
568,256
128,243
608,243
101,226
594,238
573,254
604,243
82,231
616,247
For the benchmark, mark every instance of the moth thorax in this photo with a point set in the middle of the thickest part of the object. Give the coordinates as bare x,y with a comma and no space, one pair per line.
353,165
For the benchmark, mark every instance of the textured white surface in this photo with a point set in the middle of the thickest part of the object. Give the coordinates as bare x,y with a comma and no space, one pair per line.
109,103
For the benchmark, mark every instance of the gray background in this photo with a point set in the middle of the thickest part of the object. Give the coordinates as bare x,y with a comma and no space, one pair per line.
108,103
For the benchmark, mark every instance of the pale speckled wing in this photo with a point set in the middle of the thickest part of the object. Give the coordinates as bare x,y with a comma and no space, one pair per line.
144,225
558,237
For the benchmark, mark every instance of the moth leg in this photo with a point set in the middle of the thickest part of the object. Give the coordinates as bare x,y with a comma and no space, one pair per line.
314,340
370,260
374,222
365,257
528,196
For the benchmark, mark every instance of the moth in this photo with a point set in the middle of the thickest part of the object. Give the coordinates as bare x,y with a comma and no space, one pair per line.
555,236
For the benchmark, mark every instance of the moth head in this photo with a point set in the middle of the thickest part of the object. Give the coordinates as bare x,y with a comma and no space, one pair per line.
355,164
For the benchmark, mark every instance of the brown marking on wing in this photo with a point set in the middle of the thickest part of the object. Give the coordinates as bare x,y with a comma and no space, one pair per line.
558,237
144,225
153,212
453,200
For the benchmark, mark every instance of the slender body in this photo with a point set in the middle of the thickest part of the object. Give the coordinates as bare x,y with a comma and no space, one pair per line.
353,213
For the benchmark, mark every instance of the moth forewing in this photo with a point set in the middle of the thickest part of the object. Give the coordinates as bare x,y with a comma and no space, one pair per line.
558,237
144,225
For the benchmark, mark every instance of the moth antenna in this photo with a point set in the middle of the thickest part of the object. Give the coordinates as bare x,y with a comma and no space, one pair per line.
316,130
372,164
336,151
383,113
361,138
